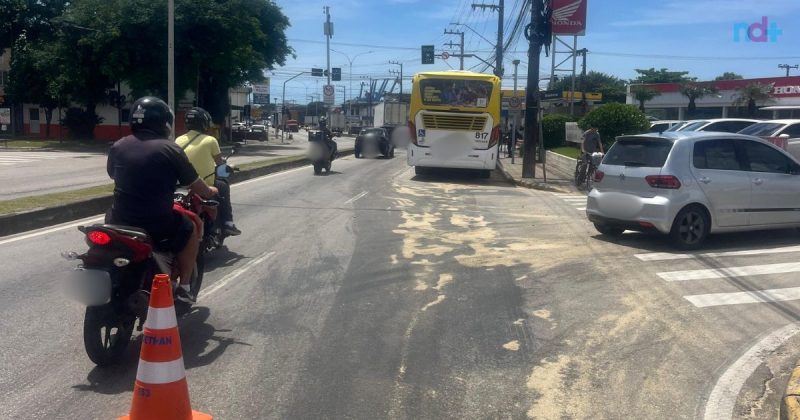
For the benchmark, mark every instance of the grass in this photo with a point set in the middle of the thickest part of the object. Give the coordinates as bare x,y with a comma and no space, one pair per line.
49,200
70,145
22,204
567,151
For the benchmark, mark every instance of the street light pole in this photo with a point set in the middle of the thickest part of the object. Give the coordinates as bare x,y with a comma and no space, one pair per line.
283,97
350,61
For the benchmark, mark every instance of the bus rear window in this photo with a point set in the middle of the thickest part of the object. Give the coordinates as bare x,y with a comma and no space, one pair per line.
455,92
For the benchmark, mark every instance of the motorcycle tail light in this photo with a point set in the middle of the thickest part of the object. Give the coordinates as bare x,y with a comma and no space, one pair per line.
495,138
98,237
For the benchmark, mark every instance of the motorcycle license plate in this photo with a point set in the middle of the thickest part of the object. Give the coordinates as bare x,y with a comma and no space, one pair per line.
88,287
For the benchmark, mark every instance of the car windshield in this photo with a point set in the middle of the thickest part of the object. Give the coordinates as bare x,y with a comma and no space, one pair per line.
693,126
651,153
762,129
677,126
456,92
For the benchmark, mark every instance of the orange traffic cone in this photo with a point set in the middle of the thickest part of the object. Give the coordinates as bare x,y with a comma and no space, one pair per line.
161,392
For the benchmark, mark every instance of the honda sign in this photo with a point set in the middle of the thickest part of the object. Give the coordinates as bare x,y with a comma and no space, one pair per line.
569,17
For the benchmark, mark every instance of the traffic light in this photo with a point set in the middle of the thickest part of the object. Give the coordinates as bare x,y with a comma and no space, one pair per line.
427,54
316,72
336,74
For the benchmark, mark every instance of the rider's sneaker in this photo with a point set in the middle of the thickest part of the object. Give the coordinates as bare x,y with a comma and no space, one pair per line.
184,295
231,230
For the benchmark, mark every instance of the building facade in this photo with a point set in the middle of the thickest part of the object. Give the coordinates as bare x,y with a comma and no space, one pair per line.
670,104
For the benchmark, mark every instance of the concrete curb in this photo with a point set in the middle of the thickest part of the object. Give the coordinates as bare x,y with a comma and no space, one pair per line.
790,403
11,224
527,183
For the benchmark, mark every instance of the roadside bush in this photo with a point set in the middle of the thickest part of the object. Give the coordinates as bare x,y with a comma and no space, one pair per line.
614,120
553,130
80,123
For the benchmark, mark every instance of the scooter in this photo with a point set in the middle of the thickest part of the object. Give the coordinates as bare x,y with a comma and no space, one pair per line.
320,154
114,277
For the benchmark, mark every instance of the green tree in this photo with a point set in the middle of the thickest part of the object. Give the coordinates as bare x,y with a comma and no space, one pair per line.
643,94
614,120
316,108
728,75
695,91
553,129
663,75
33,17
612,88
751,94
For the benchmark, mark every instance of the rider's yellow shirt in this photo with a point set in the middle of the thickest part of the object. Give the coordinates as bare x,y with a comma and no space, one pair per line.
201,153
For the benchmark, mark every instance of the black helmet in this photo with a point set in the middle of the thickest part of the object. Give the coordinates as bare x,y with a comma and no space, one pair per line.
152,114
197,119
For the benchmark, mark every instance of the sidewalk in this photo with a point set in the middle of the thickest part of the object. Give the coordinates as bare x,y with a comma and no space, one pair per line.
558,179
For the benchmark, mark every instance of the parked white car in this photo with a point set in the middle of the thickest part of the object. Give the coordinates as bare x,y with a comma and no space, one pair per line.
691,184
774,128
726,125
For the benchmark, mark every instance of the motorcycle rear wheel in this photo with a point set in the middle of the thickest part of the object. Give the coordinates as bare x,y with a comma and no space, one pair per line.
106,334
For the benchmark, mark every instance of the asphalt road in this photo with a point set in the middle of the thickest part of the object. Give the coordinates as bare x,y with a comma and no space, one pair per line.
31,172
372,293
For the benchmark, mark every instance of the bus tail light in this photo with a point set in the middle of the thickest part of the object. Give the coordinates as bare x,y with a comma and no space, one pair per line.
495,138
413,131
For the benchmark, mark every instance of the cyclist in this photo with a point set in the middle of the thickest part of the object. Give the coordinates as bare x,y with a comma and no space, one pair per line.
591,143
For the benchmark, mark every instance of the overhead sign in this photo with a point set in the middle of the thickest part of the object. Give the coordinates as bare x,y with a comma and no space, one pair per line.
445,55
328,94
569,17
261,93
578,96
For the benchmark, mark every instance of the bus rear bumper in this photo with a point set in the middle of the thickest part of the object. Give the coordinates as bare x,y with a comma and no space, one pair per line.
476,159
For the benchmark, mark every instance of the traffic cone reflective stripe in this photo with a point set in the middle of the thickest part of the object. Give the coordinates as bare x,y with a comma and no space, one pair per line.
161,391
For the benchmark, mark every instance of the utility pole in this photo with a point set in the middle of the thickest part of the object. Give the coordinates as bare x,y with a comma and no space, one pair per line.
583,79
535,36
498,68
171,59
461,45
515,124
328,34
788,67
397,63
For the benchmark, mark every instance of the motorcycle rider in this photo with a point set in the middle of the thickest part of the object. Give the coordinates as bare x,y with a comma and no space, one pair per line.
204,153
328,136
146,166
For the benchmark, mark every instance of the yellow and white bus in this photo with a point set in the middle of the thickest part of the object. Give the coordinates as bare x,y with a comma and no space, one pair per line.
454,121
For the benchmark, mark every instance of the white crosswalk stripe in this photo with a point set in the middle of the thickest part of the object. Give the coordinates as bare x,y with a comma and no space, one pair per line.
16,158
729,270
577,201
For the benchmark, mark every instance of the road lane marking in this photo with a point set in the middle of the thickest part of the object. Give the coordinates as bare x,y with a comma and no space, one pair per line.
354,199
580,208
722,400
738,298
233,275
721,273
52,229
663,256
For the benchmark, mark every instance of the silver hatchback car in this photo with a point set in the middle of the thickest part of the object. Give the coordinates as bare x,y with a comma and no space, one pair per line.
691,184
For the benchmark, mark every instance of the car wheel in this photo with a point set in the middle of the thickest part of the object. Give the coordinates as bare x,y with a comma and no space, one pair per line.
608,230
690,228
357,153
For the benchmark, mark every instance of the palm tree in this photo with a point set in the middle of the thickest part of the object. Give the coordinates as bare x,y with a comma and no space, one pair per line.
643,94
751,94
694,92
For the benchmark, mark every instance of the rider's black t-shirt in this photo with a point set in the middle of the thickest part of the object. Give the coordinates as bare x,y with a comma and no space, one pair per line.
145,174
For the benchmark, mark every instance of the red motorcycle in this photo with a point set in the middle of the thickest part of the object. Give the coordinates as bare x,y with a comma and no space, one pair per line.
115,274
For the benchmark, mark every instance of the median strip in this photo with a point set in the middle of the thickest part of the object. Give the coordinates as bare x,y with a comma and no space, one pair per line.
28,213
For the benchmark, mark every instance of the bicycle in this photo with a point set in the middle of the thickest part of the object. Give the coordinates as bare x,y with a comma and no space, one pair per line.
585,168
